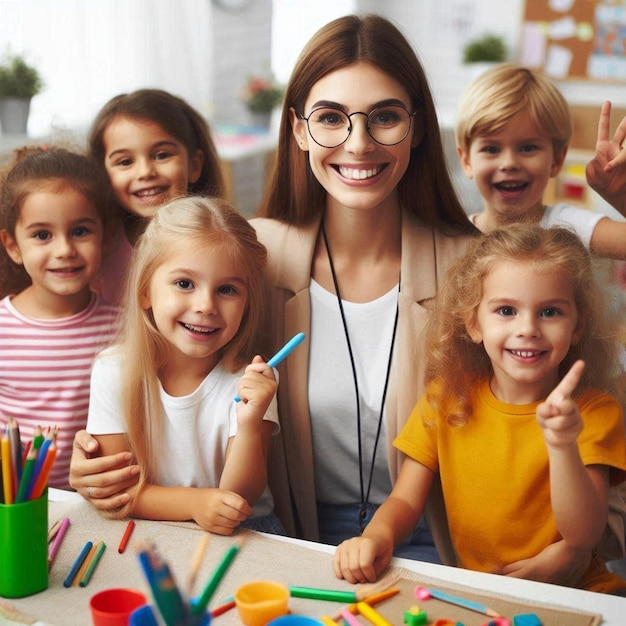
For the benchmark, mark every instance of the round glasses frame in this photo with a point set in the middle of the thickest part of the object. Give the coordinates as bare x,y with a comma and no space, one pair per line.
367,124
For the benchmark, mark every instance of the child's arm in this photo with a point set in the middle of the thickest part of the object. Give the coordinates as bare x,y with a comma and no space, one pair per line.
216,510
578,493
245,470
606,172
363,558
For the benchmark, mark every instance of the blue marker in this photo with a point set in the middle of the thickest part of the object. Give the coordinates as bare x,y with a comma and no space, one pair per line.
283,353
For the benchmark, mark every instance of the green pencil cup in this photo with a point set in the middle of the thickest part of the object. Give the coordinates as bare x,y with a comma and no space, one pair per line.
24,547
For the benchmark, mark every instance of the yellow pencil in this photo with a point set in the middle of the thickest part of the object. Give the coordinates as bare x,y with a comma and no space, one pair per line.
7,469
372,615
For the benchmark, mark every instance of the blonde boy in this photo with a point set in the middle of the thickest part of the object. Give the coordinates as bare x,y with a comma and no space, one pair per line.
512,133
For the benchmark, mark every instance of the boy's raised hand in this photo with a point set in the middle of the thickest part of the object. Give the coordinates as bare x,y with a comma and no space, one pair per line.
606,172
558,415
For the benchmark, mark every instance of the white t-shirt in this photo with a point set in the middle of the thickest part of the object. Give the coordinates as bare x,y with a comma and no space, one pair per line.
581,221
332,399
196,427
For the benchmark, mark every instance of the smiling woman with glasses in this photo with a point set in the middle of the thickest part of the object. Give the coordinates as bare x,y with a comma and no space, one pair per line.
387,124
359,219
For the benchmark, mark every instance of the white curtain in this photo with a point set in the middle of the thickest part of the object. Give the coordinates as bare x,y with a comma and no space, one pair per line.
91,50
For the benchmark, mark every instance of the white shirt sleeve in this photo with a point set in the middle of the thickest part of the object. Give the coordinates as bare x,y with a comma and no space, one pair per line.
105,408
582,221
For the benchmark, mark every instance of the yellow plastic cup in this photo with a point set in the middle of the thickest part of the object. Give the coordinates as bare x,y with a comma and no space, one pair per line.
260,601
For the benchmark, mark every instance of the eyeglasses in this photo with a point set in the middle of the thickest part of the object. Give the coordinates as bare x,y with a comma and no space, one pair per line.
387,125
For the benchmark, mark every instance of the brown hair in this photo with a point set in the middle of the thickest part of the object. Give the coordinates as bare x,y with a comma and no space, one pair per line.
173,115
294,194
53,169
459,363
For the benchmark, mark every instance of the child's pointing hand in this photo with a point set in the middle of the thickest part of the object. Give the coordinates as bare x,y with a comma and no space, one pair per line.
558,415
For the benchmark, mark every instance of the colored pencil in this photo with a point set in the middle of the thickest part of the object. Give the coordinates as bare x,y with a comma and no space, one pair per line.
77,563
54,529
126,536
283,353
197,562
100,548
327,621
173,609
372,600
56,544
29,467
422,593
199,606
349,618
329,595
372,615
223,608
42,454
16,452
42,479
83,566
7,469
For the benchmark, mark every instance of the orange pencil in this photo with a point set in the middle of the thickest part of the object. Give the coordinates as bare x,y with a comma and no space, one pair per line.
42,479
126,536
85,564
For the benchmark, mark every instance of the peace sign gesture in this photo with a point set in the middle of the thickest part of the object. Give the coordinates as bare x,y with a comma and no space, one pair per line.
558,415
606,172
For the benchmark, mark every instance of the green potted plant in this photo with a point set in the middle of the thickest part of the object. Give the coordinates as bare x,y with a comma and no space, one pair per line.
261,96
487,48
19,82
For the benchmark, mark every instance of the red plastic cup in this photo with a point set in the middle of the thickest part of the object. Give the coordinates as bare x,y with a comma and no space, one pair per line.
112,607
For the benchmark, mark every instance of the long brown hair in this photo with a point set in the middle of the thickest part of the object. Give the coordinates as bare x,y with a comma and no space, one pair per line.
294,194
176,117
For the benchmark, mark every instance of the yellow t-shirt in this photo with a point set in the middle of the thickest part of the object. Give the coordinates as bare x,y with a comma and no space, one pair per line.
495,475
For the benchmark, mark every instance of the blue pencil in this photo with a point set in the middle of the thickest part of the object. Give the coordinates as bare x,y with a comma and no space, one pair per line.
77,563
283,353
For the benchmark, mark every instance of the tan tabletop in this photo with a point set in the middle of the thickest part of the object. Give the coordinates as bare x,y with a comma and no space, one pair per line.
291,563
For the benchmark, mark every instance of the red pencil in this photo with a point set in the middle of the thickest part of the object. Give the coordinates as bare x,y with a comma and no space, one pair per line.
126,537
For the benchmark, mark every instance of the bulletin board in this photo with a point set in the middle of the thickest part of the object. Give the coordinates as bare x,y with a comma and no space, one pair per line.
575,39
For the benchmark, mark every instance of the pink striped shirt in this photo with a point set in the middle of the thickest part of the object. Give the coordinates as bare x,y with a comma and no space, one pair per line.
45,367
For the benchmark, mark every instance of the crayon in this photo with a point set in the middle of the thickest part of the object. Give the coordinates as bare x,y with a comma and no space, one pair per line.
100,548
77,563
126,536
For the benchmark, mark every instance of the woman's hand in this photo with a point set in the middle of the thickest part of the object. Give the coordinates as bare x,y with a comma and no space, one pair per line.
101,480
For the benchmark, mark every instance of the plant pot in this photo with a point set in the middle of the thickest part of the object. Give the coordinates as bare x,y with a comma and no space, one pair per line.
261,119
14,115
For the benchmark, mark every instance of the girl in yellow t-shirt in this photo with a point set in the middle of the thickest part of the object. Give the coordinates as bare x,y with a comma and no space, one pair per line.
525,458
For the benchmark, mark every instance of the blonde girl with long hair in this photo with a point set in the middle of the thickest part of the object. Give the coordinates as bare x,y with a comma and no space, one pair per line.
165,391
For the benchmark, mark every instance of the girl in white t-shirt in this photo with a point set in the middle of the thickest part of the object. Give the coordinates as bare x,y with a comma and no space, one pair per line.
166,390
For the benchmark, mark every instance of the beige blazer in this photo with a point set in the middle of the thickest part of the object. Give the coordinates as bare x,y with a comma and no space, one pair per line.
426,255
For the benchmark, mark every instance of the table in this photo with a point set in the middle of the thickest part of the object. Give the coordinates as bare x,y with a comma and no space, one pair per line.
177,543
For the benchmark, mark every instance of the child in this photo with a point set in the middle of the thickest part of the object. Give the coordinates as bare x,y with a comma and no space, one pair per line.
154,148
53,216
166,390
512,133
520,323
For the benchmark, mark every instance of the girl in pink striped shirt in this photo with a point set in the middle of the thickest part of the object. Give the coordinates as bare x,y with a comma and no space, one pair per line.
53,220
